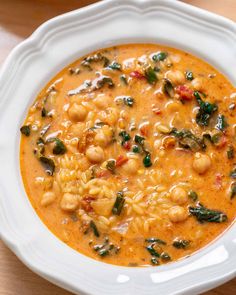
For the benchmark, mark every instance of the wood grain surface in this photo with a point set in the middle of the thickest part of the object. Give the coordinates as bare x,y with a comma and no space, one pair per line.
18,19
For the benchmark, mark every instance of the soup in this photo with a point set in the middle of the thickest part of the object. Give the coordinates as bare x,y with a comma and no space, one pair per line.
128,154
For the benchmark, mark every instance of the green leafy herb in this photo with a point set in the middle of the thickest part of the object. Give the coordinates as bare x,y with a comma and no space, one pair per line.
45,129
204,214
147,161
155,240
221,123
106,248
181,244
206,110
25,130
230,152
154,261
189,75
152,251
119,203
233,173
165,256
193,196
168,88
98,125
59,147
123,79
160,56
150,75
111,165
94,228
102,81
188,140
48,164
233,190
125,137
95,58
129,101
43,112
135,149
139,139
115,66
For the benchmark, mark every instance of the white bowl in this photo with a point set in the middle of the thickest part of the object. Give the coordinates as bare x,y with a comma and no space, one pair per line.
30,65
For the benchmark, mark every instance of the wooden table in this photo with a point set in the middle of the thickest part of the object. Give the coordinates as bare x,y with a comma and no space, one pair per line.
18,19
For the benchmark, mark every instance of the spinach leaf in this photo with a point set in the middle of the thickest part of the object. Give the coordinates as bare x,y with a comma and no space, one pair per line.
127,100
115,66
168,88
181,244
147,162
165,256
230,152
119,203
221,123
94,228
123,79
102,81
206,110
59,147
155,240
95,58
111,166
233,190
204,214
189,75
188,140
125,137
154,261
25,130
193,196
160,56
152,251
48,164
150,75
233,173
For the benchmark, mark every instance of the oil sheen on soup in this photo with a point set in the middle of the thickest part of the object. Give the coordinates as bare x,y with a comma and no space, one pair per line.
128,154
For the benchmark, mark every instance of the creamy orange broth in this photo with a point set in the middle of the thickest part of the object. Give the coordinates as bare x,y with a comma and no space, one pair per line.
182,156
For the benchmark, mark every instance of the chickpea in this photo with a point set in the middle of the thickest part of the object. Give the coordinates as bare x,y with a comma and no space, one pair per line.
197,84
77,112
48,198
179,195
176,77
103,137
131,167
201,163
109,116
69,202
177,214
102,101
77,129
173,106
95,154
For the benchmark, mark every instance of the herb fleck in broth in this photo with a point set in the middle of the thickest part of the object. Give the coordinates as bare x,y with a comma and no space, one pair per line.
127,155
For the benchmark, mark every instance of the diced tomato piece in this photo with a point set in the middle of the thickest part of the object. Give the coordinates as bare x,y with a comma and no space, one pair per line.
222,142
144,129
103,173
127,145
184,91
137,75
218,181
121,160
86,202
